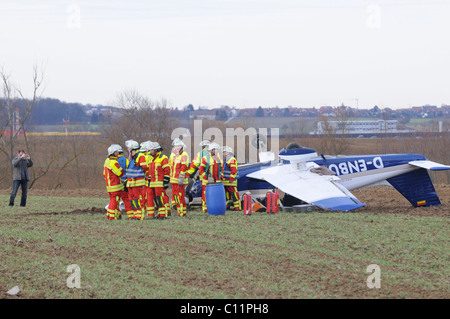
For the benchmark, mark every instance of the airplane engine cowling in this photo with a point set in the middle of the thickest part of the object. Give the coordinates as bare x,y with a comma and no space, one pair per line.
294,155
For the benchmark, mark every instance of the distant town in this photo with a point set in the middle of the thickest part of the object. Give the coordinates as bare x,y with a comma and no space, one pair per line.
53,111
342,119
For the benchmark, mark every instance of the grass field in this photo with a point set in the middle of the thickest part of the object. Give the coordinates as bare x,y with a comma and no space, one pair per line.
288,255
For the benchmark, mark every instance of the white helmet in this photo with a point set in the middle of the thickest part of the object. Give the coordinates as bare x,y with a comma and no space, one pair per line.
113,148
213,146
132,145
178,142
145,146
204,143
128,143
227,149
154,146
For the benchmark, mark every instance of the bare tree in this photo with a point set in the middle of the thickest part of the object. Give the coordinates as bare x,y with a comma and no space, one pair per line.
140,119
15,109
332,134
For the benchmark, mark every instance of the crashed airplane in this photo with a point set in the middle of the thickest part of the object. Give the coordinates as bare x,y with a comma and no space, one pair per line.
326,182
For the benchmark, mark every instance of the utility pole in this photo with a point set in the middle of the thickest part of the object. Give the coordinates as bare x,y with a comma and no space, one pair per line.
66,121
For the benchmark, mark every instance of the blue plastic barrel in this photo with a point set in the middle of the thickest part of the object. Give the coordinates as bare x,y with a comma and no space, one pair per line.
216,202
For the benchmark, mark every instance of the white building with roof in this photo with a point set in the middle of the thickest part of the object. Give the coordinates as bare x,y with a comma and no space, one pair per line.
357,127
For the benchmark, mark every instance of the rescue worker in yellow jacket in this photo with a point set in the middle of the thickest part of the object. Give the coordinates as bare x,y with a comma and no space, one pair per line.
230,175
136,172
193,167
112,172
179,161
145,149
159,181
210,169
123,162
172,155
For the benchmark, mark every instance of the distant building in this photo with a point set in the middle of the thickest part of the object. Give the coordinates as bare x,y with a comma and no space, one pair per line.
202,115
357,127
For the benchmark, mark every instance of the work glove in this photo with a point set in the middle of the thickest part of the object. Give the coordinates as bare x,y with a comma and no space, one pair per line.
166,181
180,180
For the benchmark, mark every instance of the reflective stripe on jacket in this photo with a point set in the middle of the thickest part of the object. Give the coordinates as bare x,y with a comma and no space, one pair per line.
148,159
230,171
112,173
211,166
196,162
136,170
158,169
178,165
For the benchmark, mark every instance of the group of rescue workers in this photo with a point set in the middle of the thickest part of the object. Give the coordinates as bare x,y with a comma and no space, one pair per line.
141,179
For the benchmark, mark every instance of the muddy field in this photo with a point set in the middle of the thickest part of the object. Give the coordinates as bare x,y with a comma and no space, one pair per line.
386,200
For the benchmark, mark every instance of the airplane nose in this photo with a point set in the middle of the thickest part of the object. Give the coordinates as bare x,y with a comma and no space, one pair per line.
296,151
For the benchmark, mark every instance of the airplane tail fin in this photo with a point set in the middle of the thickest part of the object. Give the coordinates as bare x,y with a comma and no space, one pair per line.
416,187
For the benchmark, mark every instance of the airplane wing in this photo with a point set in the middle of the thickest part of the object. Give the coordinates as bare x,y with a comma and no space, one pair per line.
324,191
429,165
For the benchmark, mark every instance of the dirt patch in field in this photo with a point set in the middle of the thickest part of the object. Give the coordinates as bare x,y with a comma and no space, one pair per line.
386,200
90,211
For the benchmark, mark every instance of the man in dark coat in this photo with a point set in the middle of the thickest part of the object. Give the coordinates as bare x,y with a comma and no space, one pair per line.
21,176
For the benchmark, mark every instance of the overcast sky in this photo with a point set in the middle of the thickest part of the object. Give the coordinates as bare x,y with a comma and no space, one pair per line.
243,53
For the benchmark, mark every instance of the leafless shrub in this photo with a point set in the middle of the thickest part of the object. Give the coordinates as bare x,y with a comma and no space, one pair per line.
333,134
140,119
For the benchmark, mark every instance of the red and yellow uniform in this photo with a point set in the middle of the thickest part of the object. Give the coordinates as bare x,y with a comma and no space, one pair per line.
148,158
196,162
210,166
114,186
178,168
123,162
230,175
159,170
136,184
